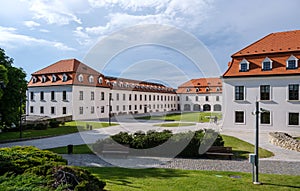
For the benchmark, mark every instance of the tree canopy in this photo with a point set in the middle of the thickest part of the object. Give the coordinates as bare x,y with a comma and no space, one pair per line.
13,86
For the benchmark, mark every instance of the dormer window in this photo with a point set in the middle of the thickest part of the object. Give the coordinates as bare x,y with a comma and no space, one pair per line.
91,79
292,62
187,89
218,89
100,80
44,78
244,65
54,78
197,89
267,64
34,79
207,89
65,78
107,82
80,78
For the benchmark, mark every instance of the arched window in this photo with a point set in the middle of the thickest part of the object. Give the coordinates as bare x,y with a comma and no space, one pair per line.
44,78
80,78
217,107
196,107
292,62
65,78
54,78
34,79
187,107
91,79
100,80
206,107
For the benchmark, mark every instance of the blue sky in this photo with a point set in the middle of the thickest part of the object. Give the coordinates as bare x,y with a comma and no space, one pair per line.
37,33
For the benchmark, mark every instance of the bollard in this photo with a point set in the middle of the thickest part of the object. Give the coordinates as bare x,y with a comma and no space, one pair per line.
70,149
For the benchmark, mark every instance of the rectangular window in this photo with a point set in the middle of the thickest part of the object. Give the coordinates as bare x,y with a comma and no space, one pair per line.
42,96
186,98
293,118
31,95
117,108
239,92
129,107
102,96
80,110
141,97
294,92
117,96
141,107
92,109
157,97
64,110
64,95
129,97
149,97
265,117
135,107
92,95
239,117
135,97
244,67
178,98
145,97
80,95
102,109
31,109
52,95
124,107
153,97
217,98
42,110
52,110
124,97
162,98
292,64
206,98
265,92
196,98
267,65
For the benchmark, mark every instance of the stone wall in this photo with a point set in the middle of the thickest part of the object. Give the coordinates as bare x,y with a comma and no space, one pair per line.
284,140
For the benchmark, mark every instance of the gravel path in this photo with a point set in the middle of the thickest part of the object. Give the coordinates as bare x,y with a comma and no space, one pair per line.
265,166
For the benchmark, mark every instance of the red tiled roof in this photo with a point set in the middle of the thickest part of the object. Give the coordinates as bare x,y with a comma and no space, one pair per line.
273,43
201,84
276,46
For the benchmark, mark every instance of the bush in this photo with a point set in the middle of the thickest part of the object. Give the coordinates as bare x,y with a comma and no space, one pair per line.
54,124
141,140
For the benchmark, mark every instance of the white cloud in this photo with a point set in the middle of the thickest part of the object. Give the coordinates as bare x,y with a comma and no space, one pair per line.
31,24
9,38
53,12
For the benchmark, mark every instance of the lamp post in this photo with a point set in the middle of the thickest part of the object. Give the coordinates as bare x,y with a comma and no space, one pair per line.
255,181
109,109
21,100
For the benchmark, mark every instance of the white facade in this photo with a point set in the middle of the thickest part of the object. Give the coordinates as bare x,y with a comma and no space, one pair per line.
279,106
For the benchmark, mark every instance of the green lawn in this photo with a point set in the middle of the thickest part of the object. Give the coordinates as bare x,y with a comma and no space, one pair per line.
154,179
174,124
201,117
67,128
242,149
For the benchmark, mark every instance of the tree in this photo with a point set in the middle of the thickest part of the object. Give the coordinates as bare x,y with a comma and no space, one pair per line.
3,79
14,93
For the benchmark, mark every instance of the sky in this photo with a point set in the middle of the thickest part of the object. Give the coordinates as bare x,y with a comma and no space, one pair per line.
167,41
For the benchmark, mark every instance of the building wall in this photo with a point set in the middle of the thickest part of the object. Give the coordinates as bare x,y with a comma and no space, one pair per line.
279,105
188,102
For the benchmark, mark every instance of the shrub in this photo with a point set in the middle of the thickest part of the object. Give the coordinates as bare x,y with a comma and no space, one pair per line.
54,124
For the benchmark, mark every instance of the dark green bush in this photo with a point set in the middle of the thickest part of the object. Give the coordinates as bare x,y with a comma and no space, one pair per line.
54,124
40,126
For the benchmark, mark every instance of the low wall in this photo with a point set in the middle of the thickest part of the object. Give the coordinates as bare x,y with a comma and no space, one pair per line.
284,140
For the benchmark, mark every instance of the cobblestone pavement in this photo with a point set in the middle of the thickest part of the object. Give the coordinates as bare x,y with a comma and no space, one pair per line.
265,166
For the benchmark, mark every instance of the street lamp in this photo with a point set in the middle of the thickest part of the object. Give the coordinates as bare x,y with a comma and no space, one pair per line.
109,109
21,100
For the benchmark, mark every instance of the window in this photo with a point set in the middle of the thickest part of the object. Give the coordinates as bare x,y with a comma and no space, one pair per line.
207,89
42,96
80,110
196,98
162,98
239,92
64,95
80,78
149,97
141,97
65,78
64,110
117,108
293,118
100,80
292,62
197,89
80,95
218,89
52,95
239,117
153,97
187,89
102,109
42,110
54,78
206,98
129,107
265,92
157,98
31,109
267,64
91,79
92,95
141,107
145,97
217,98
34,79
124,107
117,96
186,98
92,109
265,117
52,110
244,65
135,97
124,97
44,78
31,95
129,97
102,96
294,92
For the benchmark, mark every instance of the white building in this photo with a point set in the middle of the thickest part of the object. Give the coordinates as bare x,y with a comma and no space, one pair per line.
266,71
71,88
203,94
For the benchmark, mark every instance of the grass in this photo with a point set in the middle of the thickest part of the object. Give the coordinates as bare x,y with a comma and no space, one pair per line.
155,179
242,149
199,117
297,138
174,124
67,128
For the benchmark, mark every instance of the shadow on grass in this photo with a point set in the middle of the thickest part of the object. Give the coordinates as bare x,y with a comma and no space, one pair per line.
281,185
